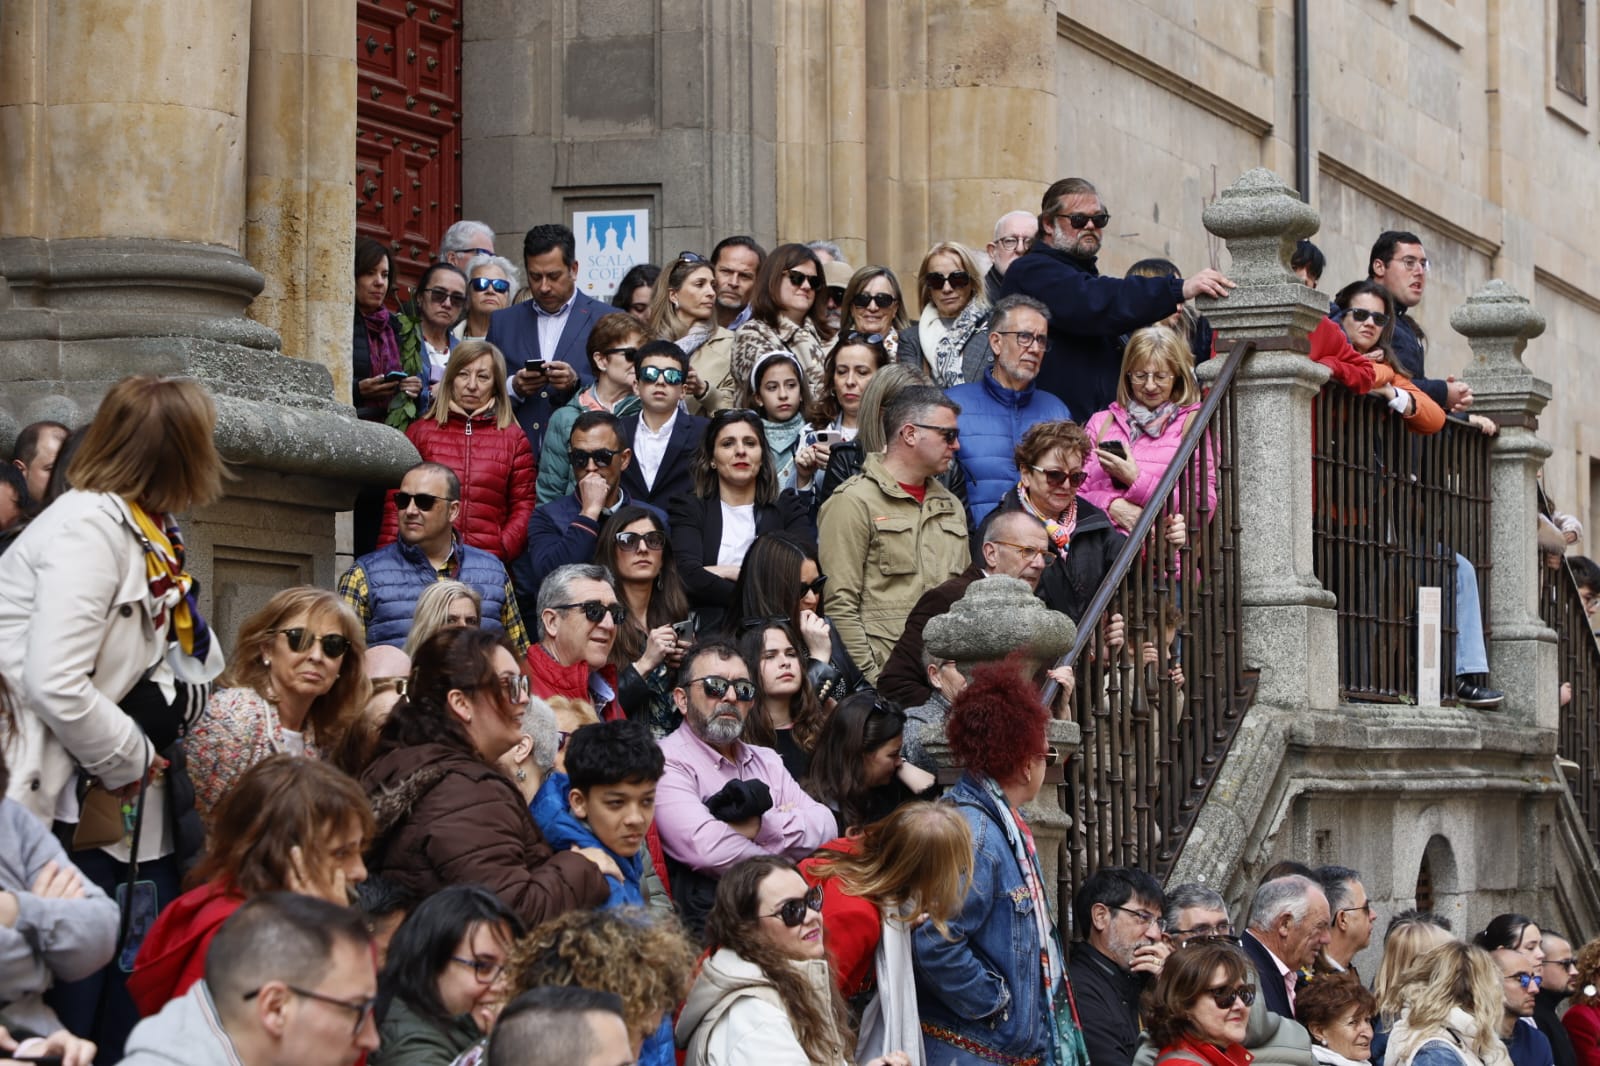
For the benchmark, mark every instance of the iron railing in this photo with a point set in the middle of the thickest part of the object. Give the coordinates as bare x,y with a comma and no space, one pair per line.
1158,715
1391,510
1578,666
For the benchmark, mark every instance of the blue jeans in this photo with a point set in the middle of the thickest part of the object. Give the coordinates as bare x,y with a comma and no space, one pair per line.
1472,657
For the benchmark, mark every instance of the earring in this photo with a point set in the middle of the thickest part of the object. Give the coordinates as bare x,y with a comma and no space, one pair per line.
265,661
522,775
674,305
1590,990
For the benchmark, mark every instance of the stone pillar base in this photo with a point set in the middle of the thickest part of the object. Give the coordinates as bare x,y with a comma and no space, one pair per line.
1291,644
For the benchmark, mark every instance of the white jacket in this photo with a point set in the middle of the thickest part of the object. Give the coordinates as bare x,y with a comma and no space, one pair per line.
77,631
733,1016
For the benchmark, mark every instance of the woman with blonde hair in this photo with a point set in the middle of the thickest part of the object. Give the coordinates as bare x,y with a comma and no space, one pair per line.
295,686
472,429
950,341
684,311
1410,934
443,605
1452,1007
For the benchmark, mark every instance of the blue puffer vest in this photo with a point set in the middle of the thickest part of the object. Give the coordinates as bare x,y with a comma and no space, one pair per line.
993,419
398,573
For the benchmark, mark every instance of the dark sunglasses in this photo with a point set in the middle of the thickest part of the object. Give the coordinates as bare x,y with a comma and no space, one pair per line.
1224,996
793,911
446,297
887,710
813,586
881,300
1056,478
771,621
499,285
594,610
334,645
1361,314
423,500
1050,755
1080,220
951,434
836,295
853,336
654,541
957,279
601,457
692,257
735,414
652,374
627,353
744,690
801,280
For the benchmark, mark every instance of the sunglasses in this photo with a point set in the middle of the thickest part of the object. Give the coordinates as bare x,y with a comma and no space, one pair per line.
652,374
423,500
852,336
771,621
499,285
1223,996
515,689
793,911
744,690
836,295
627,353
594,610
1361,314
1079,220
813,586
692,257
951,434
446,297
957,279
654,541
1056,478
581,459
801,280
735,414
334,645
881,300
1526,980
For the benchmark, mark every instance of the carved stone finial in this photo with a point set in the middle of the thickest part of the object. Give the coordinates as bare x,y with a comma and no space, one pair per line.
1261,219
1498,323
999,616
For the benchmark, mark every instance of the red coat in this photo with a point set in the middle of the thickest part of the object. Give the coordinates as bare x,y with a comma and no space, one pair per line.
853,925
497,475
173,955
1331,348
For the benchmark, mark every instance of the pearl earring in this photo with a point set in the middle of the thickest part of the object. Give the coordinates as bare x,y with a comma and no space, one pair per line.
265,661
1590,990
674,305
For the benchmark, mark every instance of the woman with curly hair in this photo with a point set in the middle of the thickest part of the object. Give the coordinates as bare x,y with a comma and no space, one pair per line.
1337,1011
1582,1019
786,715
857,769
996,990
643,960
1453,1003
1199,1007
767,993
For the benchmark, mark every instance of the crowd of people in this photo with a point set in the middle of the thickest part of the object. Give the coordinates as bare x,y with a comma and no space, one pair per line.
613,742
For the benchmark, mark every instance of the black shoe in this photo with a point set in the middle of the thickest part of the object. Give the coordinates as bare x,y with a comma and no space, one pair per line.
1479,696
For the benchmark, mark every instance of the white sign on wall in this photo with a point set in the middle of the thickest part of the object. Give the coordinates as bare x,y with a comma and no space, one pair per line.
610,243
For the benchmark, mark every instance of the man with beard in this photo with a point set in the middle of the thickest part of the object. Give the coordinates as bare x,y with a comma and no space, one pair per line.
1118,912
1559,968
1089,312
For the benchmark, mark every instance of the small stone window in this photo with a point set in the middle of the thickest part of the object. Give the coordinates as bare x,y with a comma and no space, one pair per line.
1571,52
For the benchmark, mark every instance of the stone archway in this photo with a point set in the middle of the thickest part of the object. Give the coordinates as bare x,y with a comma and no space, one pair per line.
1438,884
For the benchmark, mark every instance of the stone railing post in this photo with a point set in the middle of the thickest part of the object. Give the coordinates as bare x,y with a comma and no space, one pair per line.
1498,324
1289,624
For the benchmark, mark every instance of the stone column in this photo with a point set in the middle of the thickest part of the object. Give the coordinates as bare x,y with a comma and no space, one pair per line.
1498,324
1289,623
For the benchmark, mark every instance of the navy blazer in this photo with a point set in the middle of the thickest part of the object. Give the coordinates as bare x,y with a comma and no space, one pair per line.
559,533
675,476
515,331
1269,982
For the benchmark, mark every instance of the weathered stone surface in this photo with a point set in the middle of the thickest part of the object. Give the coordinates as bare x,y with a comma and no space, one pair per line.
996,617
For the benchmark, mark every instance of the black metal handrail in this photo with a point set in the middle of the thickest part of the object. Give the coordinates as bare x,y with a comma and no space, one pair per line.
1578,668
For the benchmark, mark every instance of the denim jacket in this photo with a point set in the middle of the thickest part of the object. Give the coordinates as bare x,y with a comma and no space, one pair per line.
984,986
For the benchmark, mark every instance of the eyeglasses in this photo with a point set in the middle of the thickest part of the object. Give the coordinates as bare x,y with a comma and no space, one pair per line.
446,297
1014,244
423,500
881,300
836,294
363,1010
1145,918
801,280
594,610
1223,996
499,285
814,586
951,434
1144,377
1026,338
1411,262
334,645
1563,964
1366,908
1199,932
478,251
1361,314
793,911
1056,478
1029,554
397,685
856,337
601,457
1525,979
626,353
1081,221
744,690
652,374
1051,756
956,279
486,972
653,541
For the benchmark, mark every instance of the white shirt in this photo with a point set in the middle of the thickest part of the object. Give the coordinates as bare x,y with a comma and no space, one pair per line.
551,325
738,533
437,358
293,743
650,447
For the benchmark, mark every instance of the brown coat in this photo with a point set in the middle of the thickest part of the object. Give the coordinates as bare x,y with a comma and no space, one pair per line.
446,817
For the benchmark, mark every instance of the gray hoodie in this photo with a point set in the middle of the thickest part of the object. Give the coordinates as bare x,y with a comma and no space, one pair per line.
52,939
187,1032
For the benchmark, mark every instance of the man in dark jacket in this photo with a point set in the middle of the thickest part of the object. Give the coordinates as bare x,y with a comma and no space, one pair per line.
1559,968
1118,912
1089,312
1399,264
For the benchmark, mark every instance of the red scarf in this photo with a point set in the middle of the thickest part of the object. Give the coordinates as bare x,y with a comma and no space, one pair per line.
549,678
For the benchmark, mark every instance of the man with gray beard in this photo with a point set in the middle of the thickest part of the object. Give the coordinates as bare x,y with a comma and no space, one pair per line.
720,800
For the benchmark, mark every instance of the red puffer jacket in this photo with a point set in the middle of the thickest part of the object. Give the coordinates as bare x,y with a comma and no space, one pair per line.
497,475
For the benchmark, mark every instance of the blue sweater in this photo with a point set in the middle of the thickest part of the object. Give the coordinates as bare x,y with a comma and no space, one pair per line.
993,418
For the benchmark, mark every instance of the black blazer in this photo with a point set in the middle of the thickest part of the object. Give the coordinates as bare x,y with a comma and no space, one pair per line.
676,475
1269,982
697,537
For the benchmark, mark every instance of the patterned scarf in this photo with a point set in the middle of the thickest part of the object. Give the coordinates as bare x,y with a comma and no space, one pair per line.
696,336
945,359
1058,528
171,586
783,441
384,350
1142,420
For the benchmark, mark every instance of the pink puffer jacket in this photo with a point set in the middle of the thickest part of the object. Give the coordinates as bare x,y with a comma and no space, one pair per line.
1153,456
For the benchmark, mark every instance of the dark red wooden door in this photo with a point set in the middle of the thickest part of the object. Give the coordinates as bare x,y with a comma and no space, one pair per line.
408,126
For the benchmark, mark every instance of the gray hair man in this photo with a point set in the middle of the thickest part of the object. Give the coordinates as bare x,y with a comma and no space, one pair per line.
1195,911
464,240
1351,918
1289,923
1013,235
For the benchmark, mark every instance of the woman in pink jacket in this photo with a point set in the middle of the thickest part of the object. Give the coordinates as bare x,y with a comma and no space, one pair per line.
1136,437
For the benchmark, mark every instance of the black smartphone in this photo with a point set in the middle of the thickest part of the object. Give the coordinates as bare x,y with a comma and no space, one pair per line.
1115,447
684,630
396,375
